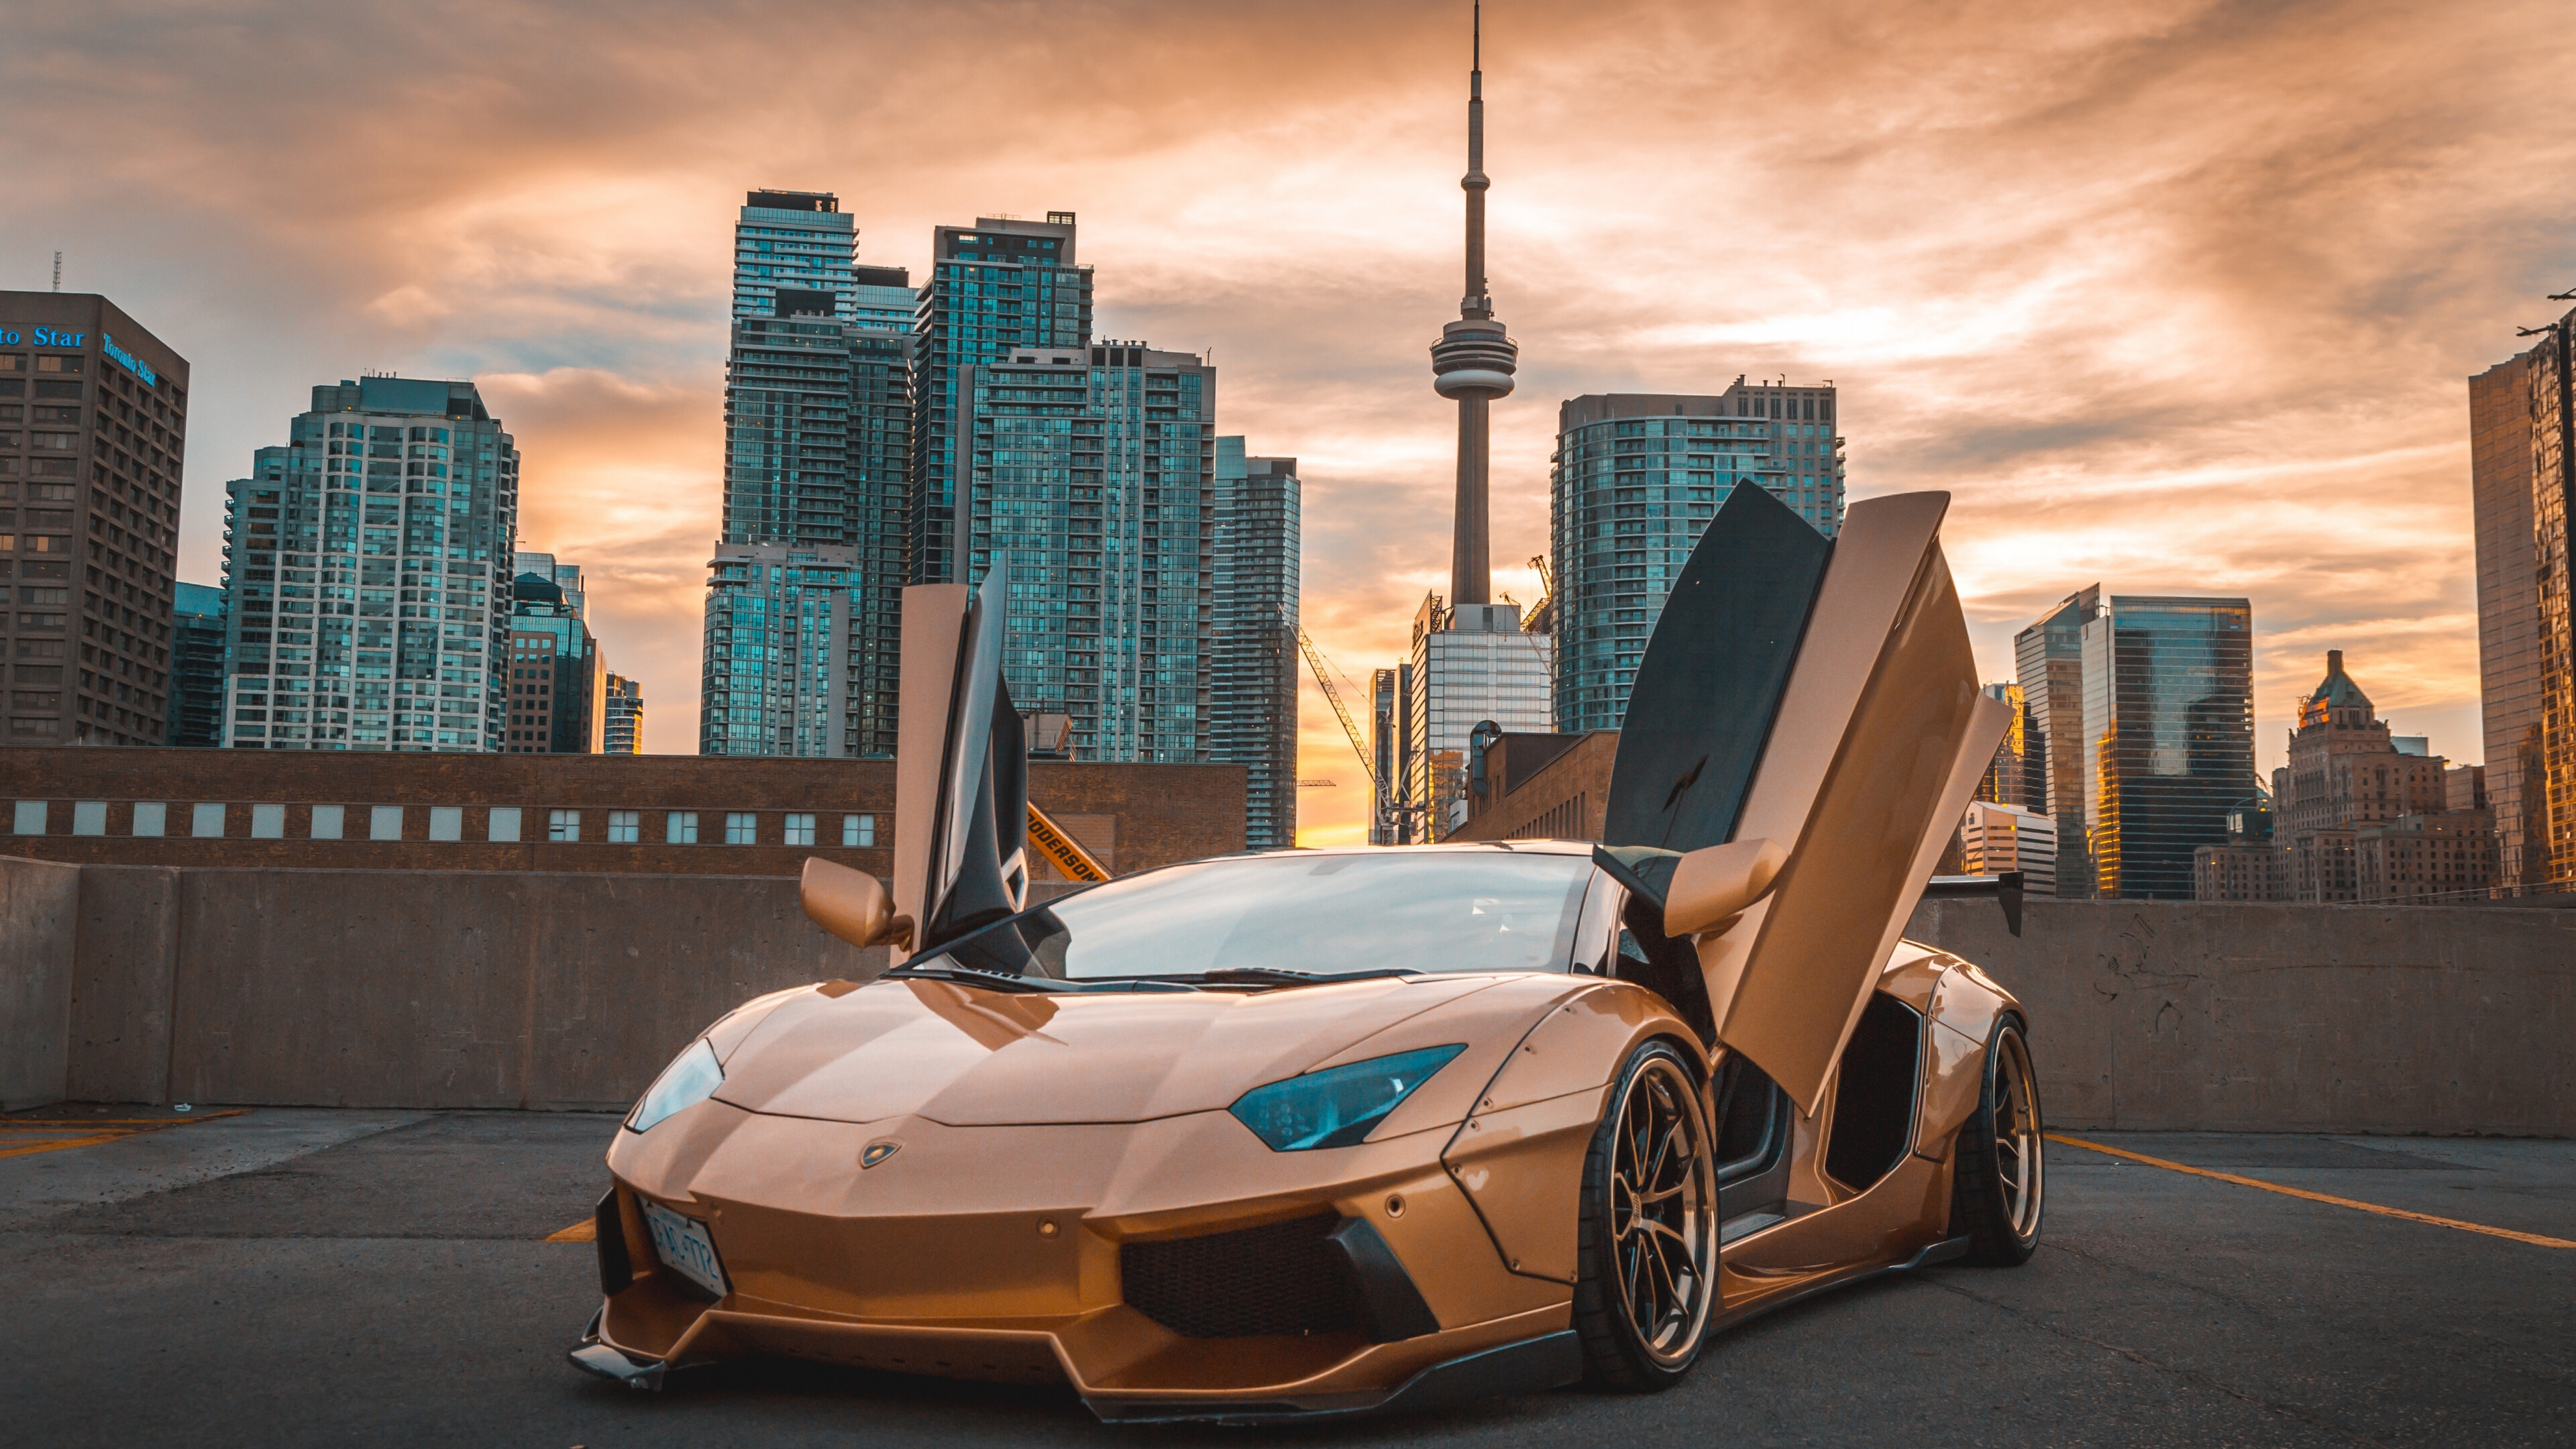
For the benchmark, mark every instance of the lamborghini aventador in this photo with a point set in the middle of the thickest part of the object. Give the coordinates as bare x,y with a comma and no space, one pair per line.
1333,1131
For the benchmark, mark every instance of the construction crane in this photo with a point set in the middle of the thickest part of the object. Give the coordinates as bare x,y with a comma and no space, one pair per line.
1536,621
1332,696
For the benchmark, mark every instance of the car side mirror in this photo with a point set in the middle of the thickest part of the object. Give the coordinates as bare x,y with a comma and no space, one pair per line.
1712,886
851,904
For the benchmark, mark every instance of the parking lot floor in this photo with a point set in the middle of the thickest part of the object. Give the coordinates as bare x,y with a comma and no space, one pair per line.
307,1276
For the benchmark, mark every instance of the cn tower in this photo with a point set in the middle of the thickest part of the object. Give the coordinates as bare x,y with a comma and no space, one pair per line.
1473,363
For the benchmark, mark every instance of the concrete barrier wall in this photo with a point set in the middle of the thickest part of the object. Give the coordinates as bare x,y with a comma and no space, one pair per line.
2281,1018
530,989
413,988
38,903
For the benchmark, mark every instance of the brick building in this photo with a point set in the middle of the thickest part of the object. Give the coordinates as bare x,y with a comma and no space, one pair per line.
667,814
1541,787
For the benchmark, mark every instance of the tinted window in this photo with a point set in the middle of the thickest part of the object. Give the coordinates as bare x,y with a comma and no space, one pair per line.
1484,910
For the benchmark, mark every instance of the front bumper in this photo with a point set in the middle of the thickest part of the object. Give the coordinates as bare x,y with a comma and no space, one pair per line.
1005,1254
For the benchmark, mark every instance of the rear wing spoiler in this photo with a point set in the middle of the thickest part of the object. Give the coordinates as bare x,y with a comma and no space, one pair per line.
2005,888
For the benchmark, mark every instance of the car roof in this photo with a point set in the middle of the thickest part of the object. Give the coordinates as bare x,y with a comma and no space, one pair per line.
1516,847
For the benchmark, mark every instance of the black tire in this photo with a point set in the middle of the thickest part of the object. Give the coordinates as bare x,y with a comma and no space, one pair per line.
1646,1242
1999,1188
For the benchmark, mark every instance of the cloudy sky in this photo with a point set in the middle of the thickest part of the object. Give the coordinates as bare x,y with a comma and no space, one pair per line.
2175,297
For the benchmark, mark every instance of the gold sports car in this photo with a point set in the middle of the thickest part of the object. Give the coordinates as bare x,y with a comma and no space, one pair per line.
1336,1131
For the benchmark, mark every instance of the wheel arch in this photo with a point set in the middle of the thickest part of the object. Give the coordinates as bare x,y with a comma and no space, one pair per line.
1519,1154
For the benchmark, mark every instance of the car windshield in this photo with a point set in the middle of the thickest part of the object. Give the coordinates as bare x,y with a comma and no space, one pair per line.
1297,915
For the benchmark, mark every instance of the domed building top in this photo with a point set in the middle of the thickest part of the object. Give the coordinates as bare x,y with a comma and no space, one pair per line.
2336,699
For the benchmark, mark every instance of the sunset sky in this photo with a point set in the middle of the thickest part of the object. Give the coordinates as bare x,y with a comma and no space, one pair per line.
2176,298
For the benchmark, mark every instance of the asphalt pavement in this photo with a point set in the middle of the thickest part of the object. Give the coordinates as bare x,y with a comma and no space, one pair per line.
303,1276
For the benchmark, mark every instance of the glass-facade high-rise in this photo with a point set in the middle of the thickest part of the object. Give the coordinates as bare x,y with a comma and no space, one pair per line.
2548,784
2048,656
777,645
818,464
797,241
367,577
2168,737
2500,493
197,666
555,691
999,285
1094,469
1635,480
1469,664
621,730
1254,687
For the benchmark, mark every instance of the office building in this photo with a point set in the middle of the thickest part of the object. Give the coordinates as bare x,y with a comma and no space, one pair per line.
2002,784
367,576
996,289
197,666
93,427
2347,776
2048,657
792,241
1469,666
556,688
778,629
1995,838
1388,750
1253,685
2169,724
818,457
1635,479
2522,492
621,730
2249,866
1094,469
565,577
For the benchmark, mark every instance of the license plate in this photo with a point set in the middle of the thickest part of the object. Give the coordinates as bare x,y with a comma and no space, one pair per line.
683,1245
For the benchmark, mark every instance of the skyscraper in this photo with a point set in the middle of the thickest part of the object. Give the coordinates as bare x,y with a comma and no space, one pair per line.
2049,658
1468,666
818,459
1094,469
2003,782
998,286
1388,752
1635,480
2522,474
197,666
556,689
1254,688
93,425
778,625
2168,737
622,723
1473,362
793,241
367,584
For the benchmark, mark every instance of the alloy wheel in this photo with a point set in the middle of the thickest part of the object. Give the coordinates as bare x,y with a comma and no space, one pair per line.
2020,1167
1663,1198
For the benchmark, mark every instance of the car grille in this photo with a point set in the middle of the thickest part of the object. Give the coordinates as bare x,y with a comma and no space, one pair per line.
1280,1278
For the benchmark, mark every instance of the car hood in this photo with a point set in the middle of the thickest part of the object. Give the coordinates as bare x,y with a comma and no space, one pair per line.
970,1057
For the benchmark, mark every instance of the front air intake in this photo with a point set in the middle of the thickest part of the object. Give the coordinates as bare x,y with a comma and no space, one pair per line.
1278,1279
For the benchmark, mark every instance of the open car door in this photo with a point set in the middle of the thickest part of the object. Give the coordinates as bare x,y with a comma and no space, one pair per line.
961,766
1822,696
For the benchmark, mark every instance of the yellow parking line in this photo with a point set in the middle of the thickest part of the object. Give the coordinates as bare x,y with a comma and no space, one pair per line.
585,1231
26,1149
2534,1239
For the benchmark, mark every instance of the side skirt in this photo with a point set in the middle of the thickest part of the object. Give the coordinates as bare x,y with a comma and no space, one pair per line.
1941,1252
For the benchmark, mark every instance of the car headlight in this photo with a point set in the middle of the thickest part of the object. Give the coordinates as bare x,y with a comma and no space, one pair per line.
691,1078
1339,1106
